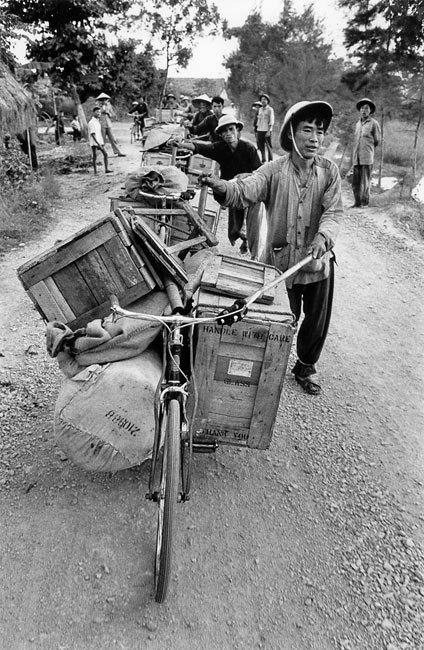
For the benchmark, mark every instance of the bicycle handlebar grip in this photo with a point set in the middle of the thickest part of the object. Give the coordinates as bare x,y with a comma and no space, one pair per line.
229,317
114,302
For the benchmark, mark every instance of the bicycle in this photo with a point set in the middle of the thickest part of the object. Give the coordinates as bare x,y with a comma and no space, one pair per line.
173,448
136,131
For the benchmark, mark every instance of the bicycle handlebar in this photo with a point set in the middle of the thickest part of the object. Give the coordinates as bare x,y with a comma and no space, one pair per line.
228,316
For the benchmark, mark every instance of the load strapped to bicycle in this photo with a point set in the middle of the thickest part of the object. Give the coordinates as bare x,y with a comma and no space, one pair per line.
224,340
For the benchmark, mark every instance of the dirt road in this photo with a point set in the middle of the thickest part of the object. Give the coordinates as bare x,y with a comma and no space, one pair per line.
315,544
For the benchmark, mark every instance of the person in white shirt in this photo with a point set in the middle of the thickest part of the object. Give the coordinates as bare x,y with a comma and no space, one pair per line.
96,140
264,125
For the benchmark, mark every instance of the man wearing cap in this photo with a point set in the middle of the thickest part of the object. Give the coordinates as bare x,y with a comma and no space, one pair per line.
106,113
264,126
203,107
209,124
367,137
302,194
235,156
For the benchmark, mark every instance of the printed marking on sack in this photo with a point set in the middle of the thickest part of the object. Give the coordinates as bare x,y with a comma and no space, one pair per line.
122,422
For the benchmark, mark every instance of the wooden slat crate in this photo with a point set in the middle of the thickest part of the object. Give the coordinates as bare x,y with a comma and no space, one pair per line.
200,165
73,281
232,276
157,158
239,372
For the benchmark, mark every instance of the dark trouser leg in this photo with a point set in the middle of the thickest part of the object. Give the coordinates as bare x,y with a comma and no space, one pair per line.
268,146
105,159
94,150
235,224
317,300
356,184
365,184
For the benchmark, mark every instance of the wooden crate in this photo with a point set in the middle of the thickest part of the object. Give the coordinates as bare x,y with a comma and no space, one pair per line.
232,276
73,281
157,158
198,165
239,372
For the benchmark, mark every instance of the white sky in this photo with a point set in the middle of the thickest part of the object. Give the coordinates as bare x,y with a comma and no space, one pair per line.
209,54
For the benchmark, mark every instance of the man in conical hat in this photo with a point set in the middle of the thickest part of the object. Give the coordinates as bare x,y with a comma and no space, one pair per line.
367,137
302,194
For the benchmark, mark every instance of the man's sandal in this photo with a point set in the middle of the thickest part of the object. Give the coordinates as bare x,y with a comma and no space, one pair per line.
309,386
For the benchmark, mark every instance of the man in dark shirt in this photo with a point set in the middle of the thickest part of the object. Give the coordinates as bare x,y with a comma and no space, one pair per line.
209,124
139,110
235,156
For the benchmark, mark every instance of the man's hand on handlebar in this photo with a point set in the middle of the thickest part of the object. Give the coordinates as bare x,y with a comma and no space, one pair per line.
216,184
233,314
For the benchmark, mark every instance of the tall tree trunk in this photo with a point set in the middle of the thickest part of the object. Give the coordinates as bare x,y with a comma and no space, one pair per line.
417,128
80,111
380,169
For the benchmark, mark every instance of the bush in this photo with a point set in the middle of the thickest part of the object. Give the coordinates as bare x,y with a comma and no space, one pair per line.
399,144
26,199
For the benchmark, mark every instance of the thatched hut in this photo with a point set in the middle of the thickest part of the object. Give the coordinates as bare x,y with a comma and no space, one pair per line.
17,108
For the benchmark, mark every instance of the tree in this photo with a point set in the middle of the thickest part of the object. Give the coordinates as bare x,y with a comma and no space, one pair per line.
386,37
177,24
71,35
127,75
289,60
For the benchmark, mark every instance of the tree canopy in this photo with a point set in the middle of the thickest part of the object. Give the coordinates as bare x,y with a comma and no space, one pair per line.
289,60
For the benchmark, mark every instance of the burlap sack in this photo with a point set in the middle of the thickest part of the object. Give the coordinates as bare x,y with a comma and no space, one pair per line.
104,415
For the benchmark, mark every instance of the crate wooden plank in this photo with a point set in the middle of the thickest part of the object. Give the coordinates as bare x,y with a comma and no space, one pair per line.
100,311
124,264
64,253
247,362
91,266
74,289
238,278
117,280
270,385
206,356
45,302
60,300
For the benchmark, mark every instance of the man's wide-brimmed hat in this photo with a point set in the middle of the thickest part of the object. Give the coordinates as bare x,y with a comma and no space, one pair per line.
170,95
322,109
264,95
202,98
256,104
363,101
226,120
103,96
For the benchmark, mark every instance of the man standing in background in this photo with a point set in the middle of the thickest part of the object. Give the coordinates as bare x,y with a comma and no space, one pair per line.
106,113
367,137
264,125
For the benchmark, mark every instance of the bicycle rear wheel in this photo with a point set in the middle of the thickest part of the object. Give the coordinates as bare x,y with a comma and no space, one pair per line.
167,499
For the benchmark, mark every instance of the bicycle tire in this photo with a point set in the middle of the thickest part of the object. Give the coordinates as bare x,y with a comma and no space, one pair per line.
167,499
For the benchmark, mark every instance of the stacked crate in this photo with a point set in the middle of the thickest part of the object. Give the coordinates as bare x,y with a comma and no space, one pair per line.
73,281
239,369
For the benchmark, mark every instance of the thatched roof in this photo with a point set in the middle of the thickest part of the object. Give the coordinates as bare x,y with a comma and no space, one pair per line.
17,108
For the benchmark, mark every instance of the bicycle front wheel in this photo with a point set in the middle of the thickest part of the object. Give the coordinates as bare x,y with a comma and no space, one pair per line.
167,499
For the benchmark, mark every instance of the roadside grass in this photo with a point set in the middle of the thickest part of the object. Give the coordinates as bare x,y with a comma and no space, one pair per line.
27,197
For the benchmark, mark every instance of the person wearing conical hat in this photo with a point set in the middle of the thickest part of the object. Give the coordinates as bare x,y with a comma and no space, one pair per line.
264,126
203,106
234,156
366,139
302,194
106,114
